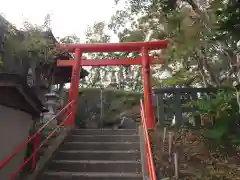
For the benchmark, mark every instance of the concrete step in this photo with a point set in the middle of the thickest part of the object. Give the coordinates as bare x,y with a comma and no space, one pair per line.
103,146
104,132
98,155
49,175
103,138
167,122
95,166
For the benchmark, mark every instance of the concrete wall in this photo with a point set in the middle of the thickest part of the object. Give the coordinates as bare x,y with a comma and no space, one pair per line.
14,129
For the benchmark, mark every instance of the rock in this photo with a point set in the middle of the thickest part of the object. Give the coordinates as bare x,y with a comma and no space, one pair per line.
133,115
92,122
127,123
91,125
121,123
166,178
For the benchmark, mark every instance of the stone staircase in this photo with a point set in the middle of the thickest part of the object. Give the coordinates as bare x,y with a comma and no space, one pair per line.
96,154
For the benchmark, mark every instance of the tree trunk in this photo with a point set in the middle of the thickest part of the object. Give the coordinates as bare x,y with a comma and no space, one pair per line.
201,71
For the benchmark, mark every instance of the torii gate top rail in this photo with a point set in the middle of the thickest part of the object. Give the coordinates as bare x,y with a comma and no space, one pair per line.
115,47
111,62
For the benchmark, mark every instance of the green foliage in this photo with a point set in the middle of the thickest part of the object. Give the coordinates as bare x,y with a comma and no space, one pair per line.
129,99
192,28
229,19
32,43
223,107
183,78
70,39
1,62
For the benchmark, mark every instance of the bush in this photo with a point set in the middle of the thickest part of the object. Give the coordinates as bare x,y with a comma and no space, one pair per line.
223,108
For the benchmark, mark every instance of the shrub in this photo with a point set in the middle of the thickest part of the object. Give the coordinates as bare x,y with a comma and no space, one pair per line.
223,108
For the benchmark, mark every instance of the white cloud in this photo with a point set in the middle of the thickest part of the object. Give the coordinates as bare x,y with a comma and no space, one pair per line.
68,16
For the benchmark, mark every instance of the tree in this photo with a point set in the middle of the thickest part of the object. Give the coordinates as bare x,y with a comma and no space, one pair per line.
25,48
69,39
203,35
229,19
31,53
190,27
116,77
228,32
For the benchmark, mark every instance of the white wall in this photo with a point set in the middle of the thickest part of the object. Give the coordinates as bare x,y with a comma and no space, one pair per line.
14,129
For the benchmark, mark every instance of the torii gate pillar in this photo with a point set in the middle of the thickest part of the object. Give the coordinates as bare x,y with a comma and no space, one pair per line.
73,90
147,89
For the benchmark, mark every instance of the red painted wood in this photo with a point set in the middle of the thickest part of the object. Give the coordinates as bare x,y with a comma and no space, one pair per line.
115,47
150,163
111,62
73,91
147,88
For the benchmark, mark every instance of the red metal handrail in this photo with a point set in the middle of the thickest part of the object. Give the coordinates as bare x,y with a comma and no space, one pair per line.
36,142
150,163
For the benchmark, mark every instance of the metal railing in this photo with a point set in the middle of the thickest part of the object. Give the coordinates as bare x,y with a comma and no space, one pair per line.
149,158
37,144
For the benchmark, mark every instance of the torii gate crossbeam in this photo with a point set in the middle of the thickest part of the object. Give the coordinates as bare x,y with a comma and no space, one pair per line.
111,62
145,60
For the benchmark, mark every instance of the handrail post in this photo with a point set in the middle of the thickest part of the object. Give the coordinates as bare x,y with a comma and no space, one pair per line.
36,145
36,142
150,163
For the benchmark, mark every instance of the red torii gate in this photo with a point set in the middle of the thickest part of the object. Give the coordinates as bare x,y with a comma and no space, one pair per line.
145,60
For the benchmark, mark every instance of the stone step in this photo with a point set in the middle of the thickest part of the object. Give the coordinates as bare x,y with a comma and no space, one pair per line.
49,175
95,166
104,132
103,138
98,155
103,146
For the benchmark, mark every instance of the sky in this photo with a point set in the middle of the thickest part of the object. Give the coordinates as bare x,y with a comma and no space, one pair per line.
67,16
